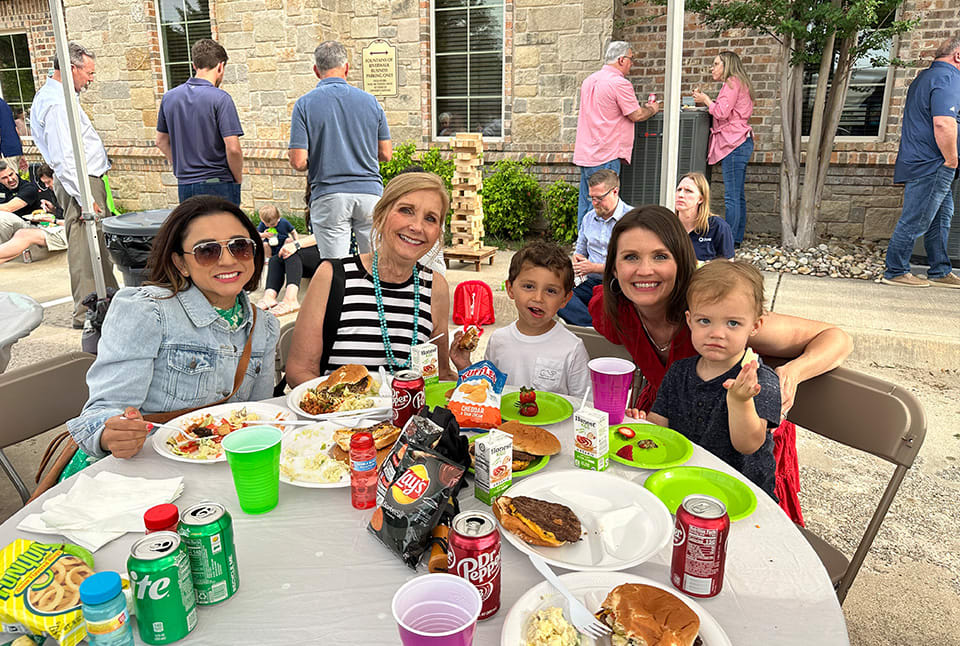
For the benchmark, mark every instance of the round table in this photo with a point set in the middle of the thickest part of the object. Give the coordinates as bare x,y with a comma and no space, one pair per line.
19,316
310,571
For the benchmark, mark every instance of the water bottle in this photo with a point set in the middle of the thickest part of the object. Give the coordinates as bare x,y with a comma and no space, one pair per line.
105,610
363,471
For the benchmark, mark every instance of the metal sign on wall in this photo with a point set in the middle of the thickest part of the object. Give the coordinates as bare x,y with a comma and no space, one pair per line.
380,68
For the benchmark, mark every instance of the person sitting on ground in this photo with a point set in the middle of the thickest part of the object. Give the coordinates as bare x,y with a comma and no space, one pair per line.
43,178
274,230
713,398
177,343
591,251
41,230
17,197
18,225
535,350
295,260
711,236
392,299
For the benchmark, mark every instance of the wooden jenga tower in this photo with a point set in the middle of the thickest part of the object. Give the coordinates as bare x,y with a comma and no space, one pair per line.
466,222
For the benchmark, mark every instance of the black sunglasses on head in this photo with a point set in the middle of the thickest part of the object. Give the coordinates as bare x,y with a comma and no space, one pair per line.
207,253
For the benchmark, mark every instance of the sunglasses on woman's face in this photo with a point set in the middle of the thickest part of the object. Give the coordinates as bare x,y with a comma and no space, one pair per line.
207,253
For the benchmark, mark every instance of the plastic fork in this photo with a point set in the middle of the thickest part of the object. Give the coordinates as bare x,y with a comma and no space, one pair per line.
581,618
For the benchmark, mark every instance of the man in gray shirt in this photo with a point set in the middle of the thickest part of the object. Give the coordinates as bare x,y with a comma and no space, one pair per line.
339,134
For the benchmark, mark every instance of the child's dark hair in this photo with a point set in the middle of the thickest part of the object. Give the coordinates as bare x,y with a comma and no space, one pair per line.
717,278
549,255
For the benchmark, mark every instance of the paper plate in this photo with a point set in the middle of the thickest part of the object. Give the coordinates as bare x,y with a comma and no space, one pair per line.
673,449
435,394
307,441
266,413
591,588
381,409
673,485
535,466
553,409
623,523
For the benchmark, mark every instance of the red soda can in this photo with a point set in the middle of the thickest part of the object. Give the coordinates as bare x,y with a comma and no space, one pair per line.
651,97
363,470
408,397
700,546
474,554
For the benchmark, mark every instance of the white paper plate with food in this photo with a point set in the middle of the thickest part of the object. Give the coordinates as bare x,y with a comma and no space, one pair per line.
203,430
532,614
620,524
348,391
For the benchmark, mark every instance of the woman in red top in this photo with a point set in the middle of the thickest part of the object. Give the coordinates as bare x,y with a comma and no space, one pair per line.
641,306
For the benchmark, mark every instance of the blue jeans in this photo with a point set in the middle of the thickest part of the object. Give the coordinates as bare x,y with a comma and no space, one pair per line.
584,204
927,211
227,190
575,312
734,177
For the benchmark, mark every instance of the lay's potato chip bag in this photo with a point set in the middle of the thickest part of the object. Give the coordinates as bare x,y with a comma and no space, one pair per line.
475,401
40,589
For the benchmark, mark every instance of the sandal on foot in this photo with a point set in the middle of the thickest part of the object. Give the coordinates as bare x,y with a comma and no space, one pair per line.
282,309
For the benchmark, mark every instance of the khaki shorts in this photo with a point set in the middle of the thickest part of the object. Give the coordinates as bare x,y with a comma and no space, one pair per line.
56,238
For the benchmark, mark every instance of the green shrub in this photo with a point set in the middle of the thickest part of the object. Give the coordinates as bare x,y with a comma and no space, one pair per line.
561,203
431,161
512,198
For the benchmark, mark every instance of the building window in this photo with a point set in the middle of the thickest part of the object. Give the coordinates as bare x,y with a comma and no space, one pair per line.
16,74
468,67
864,109
182,23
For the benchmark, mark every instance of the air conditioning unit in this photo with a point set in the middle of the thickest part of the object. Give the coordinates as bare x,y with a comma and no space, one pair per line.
640,180
919,256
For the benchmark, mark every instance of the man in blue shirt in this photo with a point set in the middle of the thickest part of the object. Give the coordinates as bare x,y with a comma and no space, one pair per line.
590,254
339,134
927,166
198,129
10,147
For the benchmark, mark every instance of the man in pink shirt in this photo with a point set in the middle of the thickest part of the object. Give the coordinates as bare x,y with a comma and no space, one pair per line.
608,110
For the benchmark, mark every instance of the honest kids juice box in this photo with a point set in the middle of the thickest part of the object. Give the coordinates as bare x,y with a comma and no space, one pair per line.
494,465
591,443
425,359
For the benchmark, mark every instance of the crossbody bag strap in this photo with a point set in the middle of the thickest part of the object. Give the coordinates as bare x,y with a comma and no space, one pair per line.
162,418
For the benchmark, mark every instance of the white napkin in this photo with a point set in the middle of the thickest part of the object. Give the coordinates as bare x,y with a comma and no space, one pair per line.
100,509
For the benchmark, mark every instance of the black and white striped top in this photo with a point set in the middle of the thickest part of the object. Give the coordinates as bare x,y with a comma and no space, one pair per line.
358,338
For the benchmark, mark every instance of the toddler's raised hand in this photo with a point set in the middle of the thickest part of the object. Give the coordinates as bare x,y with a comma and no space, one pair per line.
745,386
459,356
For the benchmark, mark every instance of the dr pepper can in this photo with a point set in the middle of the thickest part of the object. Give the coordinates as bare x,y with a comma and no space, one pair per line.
474,554
408,397
700,546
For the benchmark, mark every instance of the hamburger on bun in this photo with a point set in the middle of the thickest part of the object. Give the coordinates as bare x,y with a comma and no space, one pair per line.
384,435
642,615
352,379
538,522
470,338
340,455
530,443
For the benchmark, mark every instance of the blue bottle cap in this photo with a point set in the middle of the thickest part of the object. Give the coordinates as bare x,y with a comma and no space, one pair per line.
100,587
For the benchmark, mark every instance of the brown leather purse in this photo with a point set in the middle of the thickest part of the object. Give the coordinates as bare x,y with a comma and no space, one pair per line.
68,447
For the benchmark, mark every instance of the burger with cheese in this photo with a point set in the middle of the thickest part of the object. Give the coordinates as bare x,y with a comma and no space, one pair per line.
643,615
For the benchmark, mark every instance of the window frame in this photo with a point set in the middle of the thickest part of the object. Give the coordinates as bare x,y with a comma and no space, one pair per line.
433,75
26,34
161,44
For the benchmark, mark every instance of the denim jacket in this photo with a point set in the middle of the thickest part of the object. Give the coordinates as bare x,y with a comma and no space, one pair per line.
159,353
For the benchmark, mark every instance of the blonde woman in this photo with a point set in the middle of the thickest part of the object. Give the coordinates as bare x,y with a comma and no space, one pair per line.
710,235
731,137
392,300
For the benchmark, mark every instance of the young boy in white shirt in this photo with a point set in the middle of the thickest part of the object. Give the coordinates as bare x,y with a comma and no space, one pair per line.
536,350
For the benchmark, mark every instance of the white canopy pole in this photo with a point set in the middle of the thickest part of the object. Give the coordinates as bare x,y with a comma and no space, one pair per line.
73,121
670,153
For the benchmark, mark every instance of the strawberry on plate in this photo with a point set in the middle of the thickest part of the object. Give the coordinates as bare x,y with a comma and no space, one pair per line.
529,410
626,432
527,395
626,452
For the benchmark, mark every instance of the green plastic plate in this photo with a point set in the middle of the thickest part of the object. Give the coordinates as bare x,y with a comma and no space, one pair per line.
535,466
673,449
435,394
553,409
671,486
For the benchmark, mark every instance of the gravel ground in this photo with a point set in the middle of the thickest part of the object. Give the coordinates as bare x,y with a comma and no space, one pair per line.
834,258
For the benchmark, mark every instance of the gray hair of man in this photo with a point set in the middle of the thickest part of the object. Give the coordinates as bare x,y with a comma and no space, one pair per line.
3,166
77,53
948,47
615,50
329,55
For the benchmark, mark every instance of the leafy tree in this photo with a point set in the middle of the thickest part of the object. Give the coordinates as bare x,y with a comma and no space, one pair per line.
832,34
512,199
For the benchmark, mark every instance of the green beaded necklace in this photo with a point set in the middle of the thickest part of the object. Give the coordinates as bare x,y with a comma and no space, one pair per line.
392,363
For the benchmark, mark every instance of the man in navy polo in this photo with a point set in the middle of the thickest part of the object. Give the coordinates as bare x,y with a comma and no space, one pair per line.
339,134
198,129
927,167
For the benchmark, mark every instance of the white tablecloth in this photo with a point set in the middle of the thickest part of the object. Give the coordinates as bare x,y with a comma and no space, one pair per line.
311,573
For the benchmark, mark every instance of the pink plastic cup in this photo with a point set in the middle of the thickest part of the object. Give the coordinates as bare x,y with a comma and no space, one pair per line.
437,610
611,378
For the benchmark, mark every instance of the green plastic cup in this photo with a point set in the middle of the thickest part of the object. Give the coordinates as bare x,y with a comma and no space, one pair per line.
254,457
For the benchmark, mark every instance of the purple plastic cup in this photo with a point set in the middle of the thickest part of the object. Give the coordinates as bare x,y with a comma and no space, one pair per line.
611,378
437,610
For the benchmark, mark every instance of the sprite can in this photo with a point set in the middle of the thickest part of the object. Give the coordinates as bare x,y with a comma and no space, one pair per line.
206,530
162,588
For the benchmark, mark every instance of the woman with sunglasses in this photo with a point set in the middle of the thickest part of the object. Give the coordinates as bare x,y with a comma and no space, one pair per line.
175,344
392,299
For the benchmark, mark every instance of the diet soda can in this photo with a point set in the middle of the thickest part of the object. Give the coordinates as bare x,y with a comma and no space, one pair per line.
162,588
206,530
700,546
474,554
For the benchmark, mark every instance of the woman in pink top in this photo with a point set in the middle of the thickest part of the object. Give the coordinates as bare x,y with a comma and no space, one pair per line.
731,137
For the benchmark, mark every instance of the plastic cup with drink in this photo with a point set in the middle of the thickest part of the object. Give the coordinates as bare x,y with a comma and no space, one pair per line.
254,457
437,610
611,378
